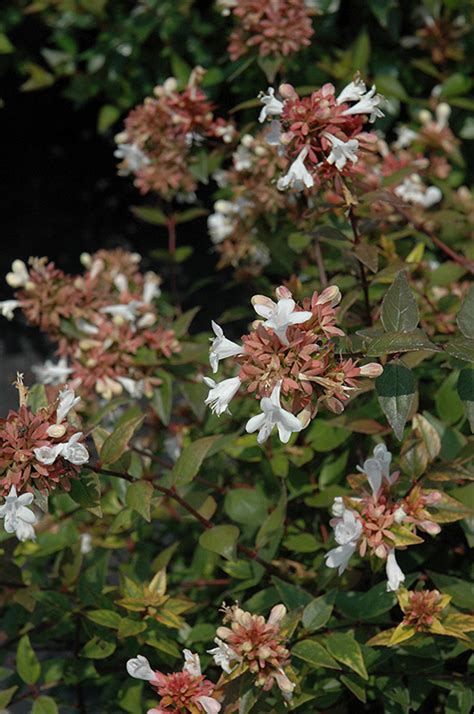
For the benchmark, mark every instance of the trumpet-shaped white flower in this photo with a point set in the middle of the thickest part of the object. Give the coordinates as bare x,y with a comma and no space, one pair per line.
395,575
7,308
281,315
273,415
74,452
139,668
413,190
18,518
67,401
192,663
220,227
121,283
86,327
221,393
347,532
85,540
298,176
342,151
271,105
134,387
221,347
47,455
151,288
406,136
19,276
133,158
223,655
126,311
273,136
367,104
377,467
352,92
50,373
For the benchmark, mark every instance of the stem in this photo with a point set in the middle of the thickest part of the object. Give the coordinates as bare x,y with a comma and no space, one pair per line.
460,259
204,522
320,263
363,276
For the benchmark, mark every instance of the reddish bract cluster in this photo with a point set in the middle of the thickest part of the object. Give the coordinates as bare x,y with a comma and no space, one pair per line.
181,691
308,366
421,608
160,135
257,644
21,433
273,27
100,320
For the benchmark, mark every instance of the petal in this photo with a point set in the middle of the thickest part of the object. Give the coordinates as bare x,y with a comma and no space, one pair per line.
210,705
26,515
298,317
254,423
25,499
289,420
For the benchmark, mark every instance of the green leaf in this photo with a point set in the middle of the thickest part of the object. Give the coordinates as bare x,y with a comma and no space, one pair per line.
390,86
162,399
396,391
272,527
465,318
462,348
455,85
6,46
448,404
355,686
6,695
314,653
400,342
37,398
317,613
221,540
44,705
399,309
462,592
181,325
86,492
343,647
150,215
190,214
116,444
245,505
138,496
324,437
27,663
465,387
106,618
97,648
191,458
108,115
293,596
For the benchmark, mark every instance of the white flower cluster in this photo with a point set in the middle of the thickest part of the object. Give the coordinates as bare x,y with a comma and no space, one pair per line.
18,518
70,450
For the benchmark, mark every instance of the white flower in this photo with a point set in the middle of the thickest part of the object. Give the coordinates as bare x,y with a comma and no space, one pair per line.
67,401
352,92
151,288
281,315
74,452
139,668
220,227
273,136
285,684
413,190
86,327
399,515
271,105
367,104
19,276
209,704
223,655
405,137
18,518
134,387
50,373
395,576
85,540
7,308
442,112
47,455
221,393
126,311
121,283
338,507
347,531
342,151
242,158
192,663
273,415
377,467
133,157
298,175
221,347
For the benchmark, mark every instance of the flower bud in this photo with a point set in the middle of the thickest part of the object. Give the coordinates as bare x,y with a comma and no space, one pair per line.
287,91
371,370
425,116
56,431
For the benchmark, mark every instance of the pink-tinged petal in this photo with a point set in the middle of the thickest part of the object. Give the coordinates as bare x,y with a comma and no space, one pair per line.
254,423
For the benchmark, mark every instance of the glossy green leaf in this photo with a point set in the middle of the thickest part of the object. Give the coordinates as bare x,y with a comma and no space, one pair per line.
343,647
27,663
221,540
44,705
138,496
314,654
116,444
396,391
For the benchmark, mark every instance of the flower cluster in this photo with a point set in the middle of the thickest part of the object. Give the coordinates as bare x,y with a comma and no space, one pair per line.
290,352
323,134
421,608
276,28
185,691
160,137
378,522
251,196
100,321
249,642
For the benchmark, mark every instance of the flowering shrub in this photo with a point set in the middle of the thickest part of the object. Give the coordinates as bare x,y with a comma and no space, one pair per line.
297,528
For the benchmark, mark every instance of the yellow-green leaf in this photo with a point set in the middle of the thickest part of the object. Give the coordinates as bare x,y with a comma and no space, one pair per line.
27,663
343,647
